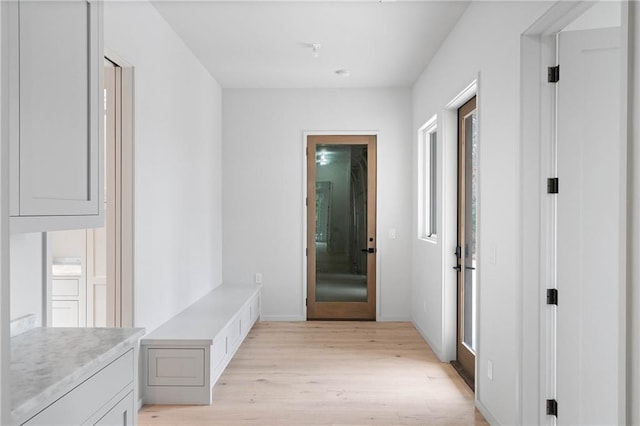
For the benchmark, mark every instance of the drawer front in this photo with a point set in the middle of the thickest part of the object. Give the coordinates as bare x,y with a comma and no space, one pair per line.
120,414
65,287
245,320
85,399
255,308
233,334
175,367
218,353
65,313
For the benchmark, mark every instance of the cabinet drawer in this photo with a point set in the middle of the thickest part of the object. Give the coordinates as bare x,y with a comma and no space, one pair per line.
218,353
233,334
65,288
255,308
65,313
245,320
84,400
175,367
120,414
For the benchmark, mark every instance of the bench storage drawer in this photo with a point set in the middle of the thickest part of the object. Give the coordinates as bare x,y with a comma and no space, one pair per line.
176,367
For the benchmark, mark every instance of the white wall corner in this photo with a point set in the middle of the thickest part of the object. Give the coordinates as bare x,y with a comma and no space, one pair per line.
437,349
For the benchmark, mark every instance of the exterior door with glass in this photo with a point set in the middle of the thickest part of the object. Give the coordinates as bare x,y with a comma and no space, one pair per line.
467,248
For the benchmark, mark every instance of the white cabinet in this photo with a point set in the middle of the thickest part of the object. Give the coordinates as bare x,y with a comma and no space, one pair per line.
56,114
183,359
121,414
96,400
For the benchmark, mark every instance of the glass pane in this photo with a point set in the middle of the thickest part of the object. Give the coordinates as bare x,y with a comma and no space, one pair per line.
433,187
471,209
341,223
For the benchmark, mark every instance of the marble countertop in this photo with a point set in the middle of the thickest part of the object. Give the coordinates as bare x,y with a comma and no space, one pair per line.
47,362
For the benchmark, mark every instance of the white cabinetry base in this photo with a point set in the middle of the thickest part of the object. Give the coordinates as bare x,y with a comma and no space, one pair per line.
184,358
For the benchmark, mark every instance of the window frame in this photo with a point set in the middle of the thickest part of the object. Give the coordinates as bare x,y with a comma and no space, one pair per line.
428,180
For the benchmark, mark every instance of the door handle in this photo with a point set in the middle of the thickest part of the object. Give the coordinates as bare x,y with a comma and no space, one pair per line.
470,267
457,268
368,250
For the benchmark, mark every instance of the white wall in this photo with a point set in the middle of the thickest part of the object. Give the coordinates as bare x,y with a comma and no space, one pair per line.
26,275
263,153
484,45
177,192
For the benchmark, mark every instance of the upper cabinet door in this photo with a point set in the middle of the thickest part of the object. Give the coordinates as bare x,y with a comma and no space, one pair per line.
57,67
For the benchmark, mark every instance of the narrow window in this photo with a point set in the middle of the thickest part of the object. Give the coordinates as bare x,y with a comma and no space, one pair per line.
428,183
433,187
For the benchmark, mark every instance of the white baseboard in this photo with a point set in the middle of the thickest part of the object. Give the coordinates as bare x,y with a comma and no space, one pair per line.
302,318
281,318
393,319
486,413
435,348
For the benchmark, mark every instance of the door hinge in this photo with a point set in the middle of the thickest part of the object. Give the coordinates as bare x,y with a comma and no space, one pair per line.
552,296
307,151
553,74
306,251
553,185
306,202
552,407
306,302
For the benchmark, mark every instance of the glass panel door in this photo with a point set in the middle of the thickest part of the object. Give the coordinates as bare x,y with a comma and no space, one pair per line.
341,223
467,249
341,227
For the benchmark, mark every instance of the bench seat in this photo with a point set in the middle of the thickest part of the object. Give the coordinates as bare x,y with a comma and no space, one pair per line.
184,357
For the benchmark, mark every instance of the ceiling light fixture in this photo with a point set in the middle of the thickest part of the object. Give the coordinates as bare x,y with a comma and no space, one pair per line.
343,72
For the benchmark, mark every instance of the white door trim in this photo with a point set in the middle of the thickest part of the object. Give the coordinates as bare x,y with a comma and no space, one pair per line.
536,216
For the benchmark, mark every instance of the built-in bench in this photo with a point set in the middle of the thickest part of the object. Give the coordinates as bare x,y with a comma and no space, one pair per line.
184,357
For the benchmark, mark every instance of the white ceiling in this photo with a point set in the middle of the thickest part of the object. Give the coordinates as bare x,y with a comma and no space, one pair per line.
265,44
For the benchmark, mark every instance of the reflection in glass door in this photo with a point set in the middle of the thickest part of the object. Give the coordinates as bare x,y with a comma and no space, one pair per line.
467,249
341,227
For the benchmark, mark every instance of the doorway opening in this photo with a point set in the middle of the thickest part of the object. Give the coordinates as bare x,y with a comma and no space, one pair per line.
91,269
341,227
574,157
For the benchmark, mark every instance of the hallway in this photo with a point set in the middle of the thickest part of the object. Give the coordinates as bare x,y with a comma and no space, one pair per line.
317,373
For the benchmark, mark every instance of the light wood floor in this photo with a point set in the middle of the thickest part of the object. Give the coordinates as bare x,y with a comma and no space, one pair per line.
331,373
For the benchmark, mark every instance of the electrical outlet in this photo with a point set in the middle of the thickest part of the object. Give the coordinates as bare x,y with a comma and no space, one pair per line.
258,278
392,233
490,370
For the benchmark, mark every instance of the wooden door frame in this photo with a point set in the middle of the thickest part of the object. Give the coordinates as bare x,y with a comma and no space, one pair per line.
121,243
465,360
449,209
305,135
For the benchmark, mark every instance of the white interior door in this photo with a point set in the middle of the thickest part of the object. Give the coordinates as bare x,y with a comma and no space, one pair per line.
590,236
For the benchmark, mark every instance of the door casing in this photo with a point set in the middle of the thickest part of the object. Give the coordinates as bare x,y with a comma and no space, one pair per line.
535,323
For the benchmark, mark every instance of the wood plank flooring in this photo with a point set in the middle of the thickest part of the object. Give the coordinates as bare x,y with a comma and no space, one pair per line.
331,373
